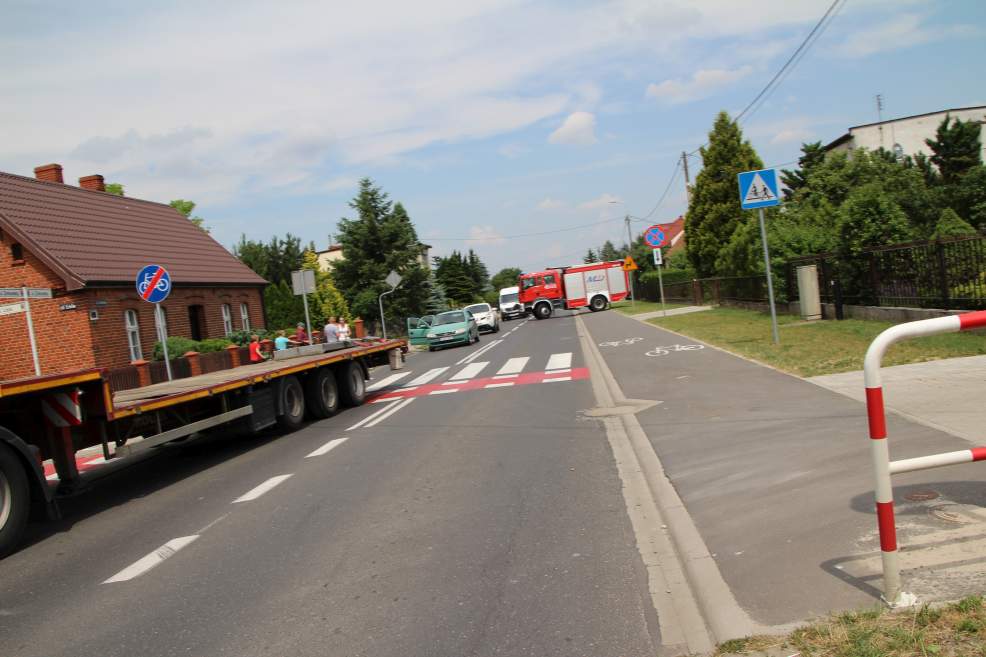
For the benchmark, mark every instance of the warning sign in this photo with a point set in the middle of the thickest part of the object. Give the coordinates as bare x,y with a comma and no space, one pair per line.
629,264
758,189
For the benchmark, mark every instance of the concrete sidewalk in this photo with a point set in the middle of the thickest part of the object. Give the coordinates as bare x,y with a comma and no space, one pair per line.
776,474
943,394
643,317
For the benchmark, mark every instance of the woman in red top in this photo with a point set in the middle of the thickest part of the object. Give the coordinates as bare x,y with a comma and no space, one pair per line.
255,355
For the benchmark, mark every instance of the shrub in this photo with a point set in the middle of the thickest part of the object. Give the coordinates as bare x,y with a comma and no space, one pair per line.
177,346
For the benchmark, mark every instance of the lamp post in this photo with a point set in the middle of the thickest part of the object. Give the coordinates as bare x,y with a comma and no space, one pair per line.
393,280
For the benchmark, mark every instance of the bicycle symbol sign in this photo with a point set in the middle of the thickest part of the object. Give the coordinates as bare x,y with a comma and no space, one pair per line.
153,283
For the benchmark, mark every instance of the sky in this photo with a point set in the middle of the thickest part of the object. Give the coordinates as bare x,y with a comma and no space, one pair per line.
489,120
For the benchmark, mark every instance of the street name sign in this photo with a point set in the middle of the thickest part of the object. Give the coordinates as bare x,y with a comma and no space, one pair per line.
18,293
12,309
758,189
153,283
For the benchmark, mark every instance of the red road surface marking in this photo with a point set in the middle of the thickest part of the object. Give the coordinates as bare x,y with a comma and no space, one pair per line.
476,384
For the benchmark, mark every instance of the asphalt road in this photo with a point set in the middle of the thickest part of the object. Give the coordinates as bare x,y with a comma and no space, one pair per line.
483,521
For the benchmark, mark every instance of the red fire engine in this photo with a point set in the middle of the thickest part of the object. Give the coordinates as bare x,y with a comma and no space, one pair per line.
595,285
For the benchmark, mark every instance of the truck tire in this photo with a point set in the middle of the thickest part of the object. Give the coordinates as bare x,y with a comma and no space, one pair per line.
352,385
542,311
15,500
598,303
322,393
292,404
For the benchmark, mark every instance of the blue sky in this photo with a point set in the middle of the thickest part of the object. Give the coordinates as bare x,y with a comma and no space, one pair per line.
487,119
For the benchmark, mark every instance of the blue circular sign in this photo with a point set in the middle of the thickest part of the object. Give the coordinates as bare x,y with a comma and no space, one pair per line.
153,283
654,236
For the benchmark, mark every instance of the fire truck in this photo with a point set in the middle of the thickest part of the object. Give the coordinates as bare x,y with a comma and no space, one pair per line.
595,285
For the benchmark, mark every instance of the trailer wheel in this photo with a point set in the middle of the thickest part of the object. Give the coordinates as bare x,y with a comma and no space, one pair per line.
14,500
598,303
322,393
352,386
542,311
292,404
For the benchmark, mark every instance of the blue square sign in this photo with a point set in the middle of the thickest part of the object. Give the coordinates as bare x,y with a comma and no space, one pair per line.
758,189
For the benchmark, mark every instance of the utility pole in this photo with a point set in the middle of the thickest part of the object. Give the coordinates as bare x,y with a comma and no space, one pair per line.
688,185
633,292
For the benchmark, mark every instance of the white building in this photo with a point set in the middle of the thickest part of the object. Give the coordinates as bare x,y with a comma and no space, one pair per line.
331,255
905,136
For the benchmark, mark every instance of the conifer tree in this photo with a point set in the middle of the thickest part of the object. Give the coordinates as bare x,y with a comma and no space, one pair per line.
951,225
590,256
956,148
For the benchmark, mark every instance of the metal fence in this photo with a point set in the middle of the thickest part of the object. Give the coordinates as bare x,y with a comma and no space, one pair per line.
948,274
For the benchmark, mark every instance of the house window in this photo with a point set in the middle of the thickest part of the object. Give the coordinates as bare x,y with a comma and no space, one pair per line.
227,319
245,316
133,334
17,252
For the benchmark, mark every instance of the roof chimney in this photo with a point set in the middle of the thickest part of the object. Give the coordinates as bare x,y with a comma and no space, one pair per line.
49,172
95,183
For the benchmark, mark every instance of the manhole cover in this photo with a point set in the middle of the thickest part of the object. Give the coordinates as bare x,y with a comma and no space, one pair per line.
921,496
958,514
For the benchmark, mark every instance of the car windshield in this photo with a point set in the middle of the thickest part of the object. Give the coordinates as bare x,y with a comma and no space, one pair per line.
454,317
478,308
508,298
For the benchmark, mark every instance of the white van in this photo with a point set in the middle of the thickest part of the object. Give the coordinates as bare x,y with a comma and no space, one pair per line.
510,305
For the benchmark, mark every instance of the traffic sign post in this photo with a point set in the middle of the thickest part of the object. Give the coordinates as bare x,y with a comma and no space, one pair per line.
303,283
154,286
393,280
758,190
658,261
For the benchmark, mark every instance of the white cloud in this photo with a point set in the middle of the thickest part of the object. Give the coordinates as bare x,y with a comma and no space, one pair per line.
577,128
549,203
702,84
513,150
902,31
485,234
601,202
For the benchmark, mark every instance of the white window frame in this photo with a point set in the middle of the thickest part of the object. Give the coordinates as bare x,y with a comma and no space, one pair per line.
132,326
245,316
227,319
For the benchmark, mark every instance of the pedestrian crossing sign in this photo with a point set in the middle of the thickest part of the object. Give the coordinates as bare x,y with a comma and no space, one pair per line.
629,264
758,189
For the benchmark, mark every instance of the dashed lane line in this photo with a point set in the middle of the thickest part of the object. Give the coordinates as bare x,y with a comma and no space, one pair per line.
387,413
152,560
373,416
479,352
327,447
256,492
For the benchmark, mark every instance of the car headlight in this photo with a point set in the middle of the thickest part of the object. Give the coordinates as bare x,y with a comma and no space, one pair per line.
432,335
459,331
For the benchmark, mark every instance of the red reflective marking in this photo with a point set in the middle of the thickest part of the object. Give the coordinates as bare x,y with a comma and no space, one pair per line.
875,414
885,521
67,415
972,320
978,453
153,284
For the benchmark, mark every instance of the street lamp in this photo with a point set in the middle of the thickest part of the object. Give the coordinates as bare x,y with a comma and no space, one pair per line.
393,280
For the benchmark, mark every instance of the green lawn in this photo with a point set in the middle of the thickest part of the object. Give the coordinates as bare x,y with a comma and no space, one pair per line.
627,307
813,348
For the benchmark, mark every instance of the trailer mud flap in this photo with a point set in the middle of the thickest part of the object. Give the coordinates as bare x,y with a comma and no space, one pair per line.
264,407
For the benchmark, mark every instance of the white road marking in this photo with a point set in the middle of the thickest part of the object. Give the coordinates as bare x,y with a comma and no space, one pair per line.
442,392
373,416
327,447
562,371
470,370
153,559
559,361
560,378
499,385
388,412
427,376
383,383
254,493
505,376
479,352
513,366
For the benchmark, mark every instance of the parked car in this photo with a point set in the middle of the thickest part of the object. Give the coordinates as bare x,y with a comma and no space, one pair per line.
452,327
417,329
510,305
485,316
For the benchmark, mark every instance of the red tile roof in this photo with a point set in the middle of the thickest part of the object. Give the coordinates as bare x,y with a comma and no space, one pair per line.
674,233
91,238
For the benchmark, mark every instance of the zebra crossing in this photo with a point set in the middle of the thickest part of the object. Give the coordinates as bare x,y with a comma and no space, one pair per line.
474,375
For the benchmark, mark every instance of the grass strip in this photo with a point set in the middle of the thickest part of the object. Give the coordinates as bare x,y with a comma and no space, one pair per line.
813,348
954,630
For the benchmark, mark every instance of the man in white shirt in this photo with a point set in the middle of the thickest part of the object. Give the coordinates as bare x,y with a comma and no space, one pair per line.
331,331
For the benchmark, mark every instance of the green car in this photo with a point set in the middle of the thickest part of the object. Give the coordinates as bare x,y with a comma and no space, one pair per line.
452,327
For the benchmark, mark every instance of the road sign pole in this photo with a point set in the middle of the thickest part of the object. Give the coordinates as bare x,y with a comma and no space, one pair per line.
383,322
308,321
30,332
162,333
633,292
770,284
660,284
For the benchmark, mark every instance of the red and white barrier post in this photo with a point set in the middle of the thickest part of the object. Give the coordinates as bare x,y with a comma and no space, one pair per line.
882,466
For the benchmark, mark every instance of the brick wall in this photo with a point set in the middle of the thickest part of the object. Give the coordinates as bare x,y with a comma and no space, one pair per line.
68,340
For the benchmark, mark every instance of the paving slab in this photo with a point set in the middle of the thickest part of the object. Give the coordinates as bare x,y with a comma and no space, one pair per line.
669,313
945,394
776,473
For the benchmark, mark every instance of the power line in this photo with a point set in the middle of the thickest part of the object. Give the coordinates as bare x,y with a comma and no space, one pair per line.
674,176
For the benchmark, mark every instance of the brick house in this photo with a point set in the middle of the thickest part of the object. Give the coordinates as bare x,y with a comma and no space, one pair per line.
87,246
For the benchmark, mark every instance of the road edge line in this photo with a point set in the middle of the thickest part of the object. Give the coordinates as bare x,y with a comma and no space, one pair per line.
721,612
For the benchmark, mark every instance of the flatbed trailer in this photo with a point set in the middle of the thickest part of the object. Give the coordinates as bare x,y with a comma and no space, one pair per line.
52,417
